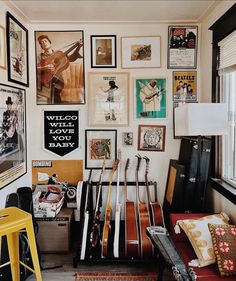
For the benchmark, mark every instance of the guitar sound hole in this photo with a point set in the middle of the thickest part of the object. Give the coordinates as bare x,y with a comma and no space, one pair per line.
56,62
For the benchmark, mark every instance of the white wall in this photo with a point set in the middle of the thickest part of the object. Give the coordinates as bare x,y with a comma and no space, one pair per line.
219,202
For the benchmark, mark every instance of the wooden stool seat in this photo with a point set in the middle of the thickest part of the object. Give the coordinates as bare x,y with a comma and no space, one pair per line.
13,221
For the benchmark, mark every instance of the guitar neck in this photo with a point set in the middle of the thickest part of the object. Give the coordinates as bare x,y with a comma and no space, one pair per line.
71,48
137,178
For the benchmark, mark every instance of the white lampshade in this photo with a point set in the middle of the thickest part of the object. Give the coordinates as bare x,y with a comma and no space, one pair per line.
204,119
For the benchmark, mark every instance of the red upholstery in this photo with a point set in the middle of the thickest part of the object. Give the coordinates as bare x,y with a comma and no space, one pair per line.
207,273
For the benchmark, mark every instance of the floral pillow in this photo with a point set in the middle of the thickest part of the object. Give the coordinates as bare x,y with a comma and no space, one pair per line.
200,237
224,245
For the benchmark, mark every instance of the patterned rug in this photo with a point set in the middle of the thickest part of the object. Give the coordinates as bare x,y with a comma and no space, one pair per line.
115,276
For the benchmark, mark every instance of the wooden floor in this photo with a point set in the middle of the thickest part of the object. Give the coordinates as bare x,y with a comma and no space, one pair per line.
66,272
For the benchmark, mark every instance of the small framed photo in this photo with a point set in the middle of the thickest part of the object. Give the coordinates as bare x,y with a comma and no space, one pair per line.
150,97
141,52
109,98
182,47
2,48
151,137
103,51
127,138
100,145
17,51
184,86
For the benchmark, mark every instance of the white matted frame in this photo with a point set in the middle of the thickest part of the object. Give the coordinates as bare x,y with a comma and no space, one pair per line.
141,52
109,98
2,47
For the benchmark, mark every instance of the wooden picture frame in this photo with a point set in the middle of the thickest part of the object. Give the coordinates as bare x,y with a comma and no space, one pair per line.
13,134
17,51
182,47
100,145
103,51
151,137
2,47
141,52
150,97
109,98
184,86
60,67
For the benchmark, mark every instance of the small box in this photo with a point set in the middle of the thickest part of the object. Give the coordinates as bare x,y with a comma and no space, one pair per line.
54,233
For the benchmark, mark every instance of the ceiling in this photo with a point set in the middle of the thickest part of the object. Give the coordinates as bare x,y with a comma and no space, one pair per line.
113,10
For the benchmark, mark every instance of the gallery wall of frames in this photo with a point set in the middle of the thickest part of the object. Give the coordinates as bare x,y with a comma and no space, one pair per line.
83,92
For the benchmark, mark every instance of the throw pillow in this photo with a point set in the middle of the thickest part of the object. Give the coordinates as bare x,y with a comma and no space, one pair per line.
200,237
224,245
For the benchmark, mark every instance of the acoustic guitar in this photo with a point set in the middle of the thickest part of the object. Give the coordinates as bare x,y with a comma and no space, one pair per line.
131,227
108,213
144,220
55,64
155,209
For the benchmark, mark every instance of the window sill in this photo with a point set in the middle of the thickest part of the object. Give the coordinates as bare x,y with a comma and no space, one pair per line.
224,189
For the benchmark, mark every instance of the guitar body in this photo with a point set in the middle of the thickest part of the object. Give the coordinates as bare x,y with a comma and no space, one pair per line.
157,217
106,229
60,62
131,231
144,222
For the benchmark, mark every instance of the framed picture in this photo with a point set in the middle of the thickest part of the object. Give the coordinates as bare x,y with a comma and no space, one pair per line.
151,137
127,138
103,51
12,134
17,51
141,52
109,98
2,48
150,97
182,47
185,86
100,145
60,67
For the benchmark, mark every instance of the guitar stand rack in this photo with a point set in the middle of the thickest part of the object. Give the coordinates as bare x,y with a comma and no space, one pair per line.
97,259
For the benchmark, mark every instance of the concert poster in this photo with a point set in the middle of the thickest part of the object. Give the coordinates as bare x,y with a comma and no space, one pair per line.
182,47
12,134
150,96
60,67
185,86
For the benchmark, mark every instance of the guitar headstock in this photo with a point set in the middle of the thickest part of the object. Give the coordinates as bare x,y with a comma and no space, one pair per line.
139,161
119,155
147,163
127,164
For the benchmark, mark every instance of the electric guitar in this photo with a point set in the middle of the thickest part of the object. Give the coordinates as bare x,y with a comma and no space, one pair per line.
118,212
131,227
144,220
108,213
95,232
155,209
87,216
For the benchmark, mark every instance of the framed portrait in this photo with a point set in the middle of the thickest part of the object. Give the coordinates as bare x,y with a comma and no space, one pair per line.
17,51
185,86
100,145
128,138
12,134
182,47
141,52
2,47
150,97
109,98
60,67
151,137
103,51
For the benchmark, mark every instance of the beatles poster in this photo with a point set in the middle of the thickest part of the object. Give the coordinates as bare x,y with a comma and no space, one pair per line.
185,86
61,131
182,47
150,98
12,134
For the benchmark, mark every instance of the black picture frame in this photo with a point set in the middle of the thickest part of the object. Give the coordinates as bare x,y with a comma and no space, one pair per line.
103,51
182,51
13,146
17,51
100,145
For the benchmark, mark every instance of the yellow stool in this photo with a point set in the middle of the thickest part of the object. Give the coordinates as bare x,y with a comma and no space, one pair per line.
12,221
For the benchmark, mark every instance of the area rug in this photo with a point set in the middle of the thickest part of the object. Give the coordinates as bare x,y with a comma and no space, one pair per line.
115,276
